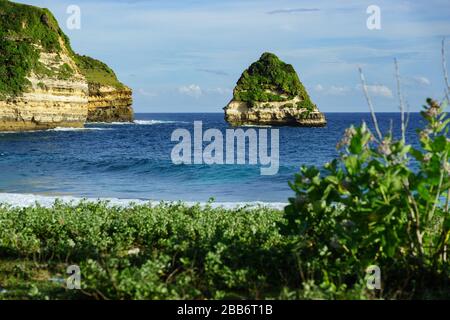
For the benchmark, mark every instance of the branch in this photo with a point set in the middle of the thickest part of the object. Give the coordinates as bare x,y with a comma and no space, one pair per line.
400,98
408,114
415,217
439,188
369,102
444,68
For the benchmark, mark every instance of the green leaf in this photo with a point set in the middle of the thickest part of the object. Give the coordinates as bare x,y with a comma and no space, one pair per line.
416,154
424,192
439,144
332,179
356,145
351,163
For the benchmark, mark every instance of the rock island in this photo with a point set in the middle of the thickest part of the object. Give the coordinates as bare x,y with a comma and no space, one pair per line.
269,92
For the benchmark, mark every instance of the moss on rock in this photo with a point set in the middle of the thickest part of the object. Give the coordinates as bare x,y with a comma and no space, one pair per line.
270,80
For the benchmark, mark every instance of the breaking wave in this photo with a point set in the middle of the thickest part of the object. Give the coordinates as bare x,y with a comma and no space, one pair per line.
28,200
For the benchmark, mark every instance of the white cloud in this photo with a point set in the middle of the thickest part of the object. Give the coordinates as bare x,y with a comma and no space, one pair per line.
377,90
332,90
338,90
424,81
192,90
380,90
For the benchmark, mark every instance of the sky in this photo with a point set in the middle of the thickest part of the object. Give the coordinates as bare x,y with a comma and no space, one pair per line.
186,55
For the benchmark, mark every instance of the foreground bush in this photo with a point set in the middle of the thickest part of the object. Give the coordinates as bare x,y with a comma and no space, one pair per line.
381,203
166,251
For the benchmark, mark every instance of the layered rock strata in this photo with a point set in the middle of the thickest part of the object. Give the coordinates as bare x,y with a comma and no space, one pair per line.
44,84
109,104
269,92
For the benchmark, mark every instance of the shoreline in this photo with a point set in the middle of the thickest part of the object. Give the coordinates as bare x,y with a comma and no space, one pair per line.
28,200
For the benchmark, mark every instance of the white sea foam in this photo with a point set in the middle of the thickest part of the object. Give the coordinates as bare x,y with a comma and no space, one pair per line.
153,122
78,129
137,122
110,123
27,200
256,126
62,129
16,132
57,129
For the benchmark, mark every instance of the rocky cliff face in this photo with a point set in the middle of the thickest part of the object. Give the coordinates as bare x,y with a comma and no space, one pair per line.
48,102
274,113
269,92
44,84
109,104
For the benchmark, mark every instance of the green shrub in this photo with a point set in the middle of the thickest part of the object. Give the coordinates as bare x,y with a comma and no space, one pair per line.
165,251
65,72
370,207
306,104
16,61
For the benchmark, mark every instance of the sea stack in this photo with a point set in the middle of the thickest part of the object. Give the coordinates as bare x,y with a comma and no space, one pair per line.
44,84
270,92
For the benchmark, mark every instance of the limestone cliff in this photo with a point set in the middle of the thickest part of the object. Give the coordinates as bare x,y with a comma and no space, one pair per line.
274,113
109,100
109,104
44,84
269,92
48,102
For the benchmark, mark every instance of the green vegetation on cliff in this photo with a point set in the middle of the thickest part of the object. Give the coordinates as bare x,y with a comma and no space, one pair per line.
271,80
96,71
22,28
25,32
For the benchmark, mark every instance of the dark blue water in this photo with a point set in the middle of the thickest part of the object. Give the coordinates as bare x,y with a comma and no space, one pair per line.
133,161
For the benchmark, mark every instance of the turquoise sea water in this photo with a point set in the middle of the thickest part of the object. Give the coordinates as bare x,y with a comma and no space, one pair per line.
132,161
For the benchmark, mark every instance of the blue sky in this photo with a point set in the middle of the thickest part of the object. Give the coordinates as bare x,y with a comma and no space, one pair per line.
186,55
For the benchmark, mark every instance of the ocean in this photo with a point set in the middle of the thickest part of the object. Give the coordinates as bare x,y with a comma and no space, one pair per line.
133,160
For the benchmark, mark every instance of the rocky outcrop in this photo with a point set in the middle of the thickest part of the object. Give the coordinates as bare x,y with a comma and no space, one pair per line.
47,84
238,113
61,104
48,102
109,104
269,92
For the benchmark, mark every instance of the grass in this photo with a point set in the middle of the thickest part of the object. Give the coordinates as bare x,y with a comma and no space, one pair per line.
97,72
